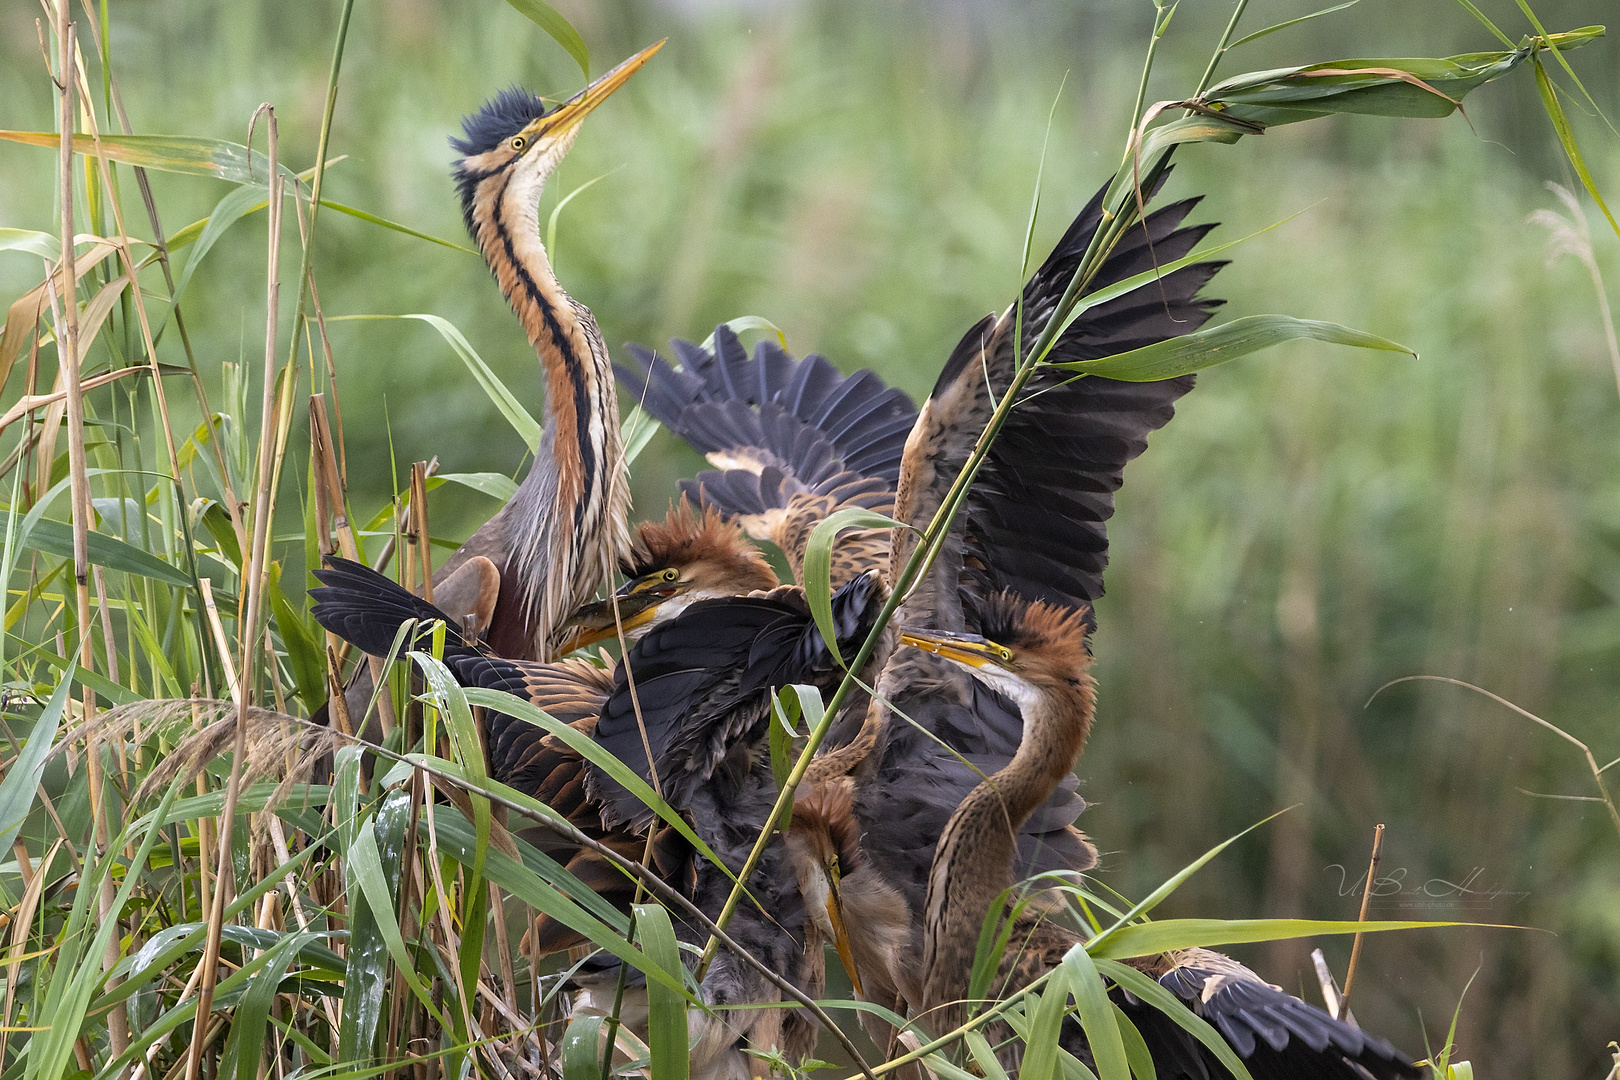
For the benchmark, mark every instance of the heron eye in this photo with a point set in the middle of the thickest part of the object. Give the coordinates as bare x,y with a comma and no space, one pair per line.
670,574
519,142
1005,653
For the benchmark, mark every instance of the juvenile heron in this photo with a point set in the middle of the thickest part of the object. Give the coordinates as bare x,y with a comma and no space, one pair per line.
558,538
1036,654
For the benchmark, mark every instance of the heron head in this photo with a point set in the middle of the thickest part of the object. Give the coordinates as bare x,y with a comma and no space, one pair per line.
515,139
1027,649
823,846
687,557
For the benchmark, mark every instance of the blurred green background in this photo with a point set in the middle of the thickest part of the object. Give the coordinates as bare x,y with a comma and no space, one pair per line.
1315,522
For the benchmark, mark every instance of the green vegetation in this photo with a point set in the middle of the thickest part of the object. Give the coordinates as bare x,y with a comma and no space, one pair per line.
1315,523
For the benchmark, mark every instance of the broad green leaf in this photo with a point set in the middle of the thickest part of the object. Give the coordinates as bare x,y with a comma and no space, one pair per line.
818,565
748,322
593,752
515,413
1150,991
496,485
984,1056
1136,1048
1096,1015
167,153
364,862
252,1016
1171,884
56,538
537,880
42,244
21,784
1413,87
103,686
366,978
1218,344
941,1067
666,1010
1145,939
561,30
582,1048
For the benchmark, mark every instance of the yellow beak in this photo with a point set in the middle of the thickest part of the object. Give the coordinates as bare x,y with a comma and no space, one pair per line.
964,648
835,915
576,108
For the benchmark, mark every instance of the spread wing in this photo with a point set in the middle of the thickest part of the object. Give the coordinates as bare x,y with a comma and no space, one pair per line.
792,440
1034,521
703,683
1273,1032
527,757
367,609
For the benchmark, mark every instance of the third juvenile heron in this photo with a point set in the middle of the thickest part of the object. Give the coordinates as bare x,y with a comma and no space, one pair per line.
1037,655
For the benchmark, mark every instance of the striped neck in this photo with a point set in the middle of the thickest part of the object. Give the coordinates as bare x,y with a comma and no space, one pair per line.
566,528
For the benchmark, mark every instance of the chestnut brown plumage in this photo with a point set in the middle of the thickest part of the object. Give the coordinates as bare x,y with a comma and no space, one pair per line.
691,555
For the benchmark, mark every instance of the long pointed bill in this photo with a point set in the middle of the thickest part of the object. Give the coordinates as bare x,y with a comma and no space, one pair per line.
965,648
594,622
835,914
575,109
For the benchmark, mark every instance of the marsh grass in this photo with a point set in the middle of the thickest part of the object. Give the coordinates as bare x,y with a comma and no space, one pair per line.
291,906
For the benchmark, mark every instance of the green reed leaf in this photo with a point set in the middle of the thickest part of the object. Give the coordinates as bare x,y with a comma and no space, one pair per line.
666,1010
818,565
1219,344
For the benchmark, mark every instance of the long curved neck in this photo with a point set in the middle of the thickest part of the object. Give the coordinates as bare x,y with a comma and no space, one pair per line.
566,527
974,860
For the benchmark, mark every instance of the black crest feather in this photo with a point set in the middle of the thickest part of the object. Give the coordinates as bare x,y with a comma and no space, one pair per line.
501,117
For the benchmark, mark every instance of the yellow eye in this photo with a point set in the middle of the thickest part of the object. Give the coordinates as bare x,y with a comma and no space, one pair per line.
518,143
1004,652
669,574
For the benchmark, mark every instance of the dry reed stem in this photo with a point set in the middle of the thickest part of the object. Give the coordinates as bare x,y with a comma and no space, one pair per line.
248,626
160,245
205,586
69,352
327,477
421,537
1597,772
1366,903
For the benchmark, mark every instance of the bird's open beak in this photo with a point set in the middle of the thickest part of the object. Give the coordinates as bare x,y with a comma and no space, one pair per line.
594,622
835,915
576,108
969,649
